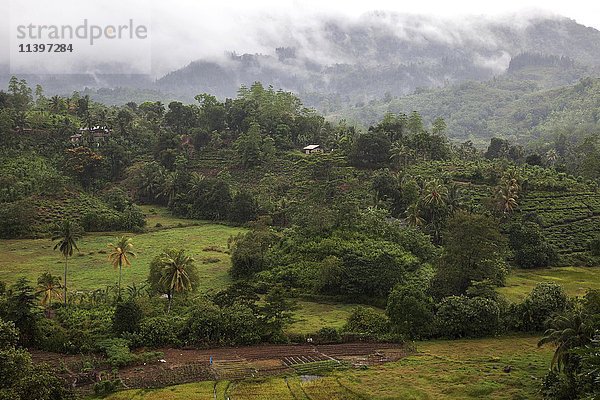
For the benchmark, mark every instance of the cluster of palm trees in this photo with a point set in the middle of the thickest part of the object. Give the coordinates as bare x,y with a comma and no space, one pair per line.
437,201
176,269
66,236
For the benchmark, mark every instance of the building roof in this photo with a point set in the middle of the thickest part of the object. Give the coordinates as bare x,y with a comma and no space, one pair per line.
311,147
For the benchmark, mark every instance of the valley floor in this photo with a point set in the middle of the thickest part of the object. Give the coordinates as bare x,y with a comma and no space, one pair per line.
493,368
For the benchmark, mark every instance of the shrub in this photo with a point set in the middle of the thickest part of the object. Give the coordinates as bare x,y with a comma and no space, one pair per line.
545,300
107,387
460,316
161,331
366,320
328,335
9,334
211,325
531,250
410,311
594,246
117,352
127,317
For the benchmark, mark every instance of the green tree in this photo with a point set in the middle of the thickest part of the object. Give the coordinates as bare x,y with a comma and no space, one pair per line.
243,207
66,236
474,250
410,311
127,318
370,150
23,311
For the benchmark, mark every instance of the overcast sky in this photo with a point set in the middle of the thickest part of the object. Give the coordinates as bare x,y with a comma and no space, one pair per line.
185,30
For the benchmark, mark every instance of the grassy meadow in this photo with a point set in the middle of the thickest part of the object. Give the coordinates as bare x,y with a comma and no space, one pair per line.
445,370
89,268
575,280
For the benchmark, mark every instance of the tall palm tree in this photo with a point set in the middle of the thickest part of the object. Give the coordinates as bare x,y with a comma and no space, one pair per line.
48,287
178,272
66,234
119,257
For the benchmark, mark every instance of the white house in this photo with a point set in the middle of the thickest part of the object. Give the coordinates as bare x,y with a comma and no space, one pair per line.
312,148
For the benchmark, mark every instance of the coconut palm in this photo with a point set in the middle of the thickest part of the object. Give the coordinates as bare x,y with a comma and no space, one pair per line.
506,198
48,287
567,332
66,234
178,272
119,257
435,193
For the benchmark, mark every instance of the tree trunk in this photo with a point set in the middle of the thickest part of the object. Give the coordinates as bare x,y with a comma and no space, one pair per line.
120,269
65,285
170,295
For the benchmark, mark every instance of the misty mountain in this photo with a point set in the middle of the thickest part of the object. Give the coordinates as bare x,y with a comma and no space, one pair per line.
387,53
332,60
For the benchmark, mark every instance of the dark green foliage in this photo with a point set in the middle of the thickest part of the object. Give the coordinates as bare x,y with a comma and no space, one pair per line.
16,219
248,252
473,251
370,150
328,335
21,308
127,317
20,379
211,200
531,250
594,246
243,208
460,316
276,312
365,320
9,334
410,311
211,325
161,331
545,300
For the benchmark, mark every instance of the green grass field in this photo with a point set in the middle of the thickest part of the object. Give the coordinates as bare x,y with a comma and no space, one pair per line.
89,268
575,280
312,316
445,370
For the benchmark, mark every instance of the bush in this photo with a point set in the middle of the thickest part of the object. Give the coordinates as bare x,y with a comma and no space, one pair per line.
107,387
328,335
53,337
460,316
545,300
594,246
117,352
9,334
410,311
364,320
531,250
248,253
211,325
161,331
127,317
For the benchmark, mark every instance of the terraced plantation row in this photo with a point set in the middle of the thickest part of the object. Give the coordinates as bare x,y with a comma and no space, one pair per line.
570,220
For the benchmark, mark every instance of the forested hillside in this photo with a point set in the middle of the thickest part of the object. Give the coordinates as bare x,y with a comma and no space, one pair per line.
258,201
518,106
